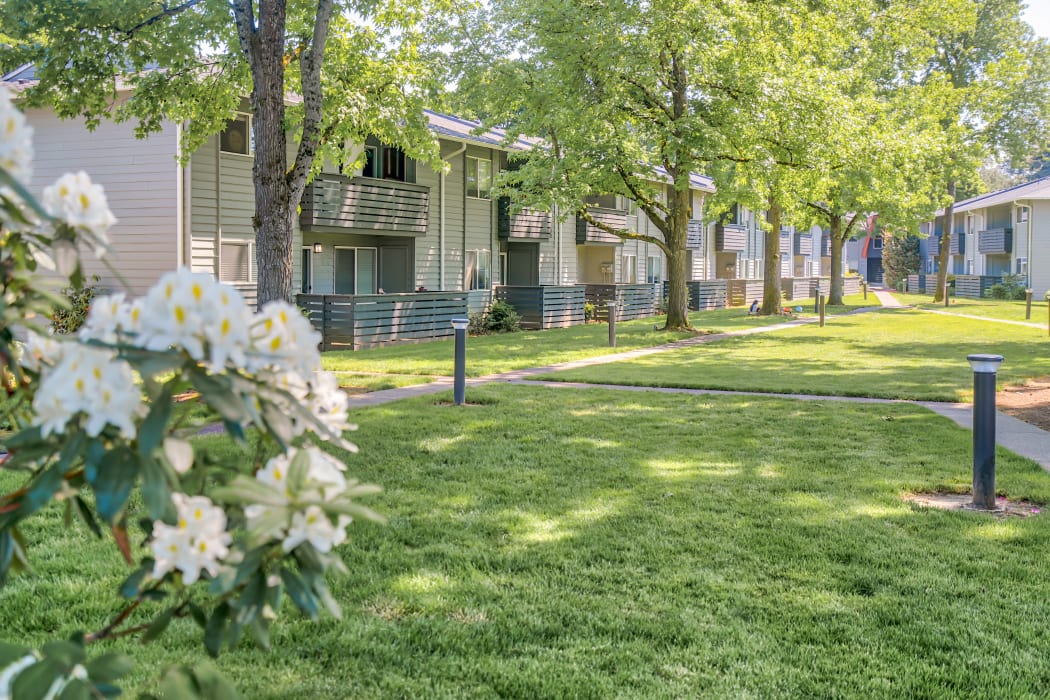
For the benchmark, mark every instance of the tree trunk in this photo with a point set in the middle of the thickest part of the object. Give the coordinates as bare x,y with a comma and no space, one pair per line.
677,258
772,301
837,243
946,241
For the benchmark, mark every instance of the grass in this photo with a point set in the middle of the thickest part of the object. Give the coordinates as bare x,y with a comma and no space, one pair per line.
502,353
985,308
552,543
890,354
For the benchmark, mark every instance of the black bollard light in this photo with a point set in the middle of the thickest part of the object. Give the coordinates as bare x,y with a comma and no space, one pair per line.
984,371
459,381
612,323
864,286
947,287
821,308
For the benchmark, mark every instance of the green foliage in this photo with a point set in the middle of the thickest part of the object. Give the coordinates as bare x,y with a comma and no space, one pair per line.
500,317
476,325
900,258
589,312
1012,287
68,318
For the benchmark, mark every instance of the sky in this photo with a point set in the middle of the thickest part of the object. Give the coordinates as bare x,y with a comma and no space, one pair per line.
1038,15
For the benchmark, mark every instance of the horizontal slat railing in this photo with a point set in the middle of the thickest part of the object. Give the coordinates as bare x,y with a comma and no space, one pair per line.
543,307
351,322
365,203
704,295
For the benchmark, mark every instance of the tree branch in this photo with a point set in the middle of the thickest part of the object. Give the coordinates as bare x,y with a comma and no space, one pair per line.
310,71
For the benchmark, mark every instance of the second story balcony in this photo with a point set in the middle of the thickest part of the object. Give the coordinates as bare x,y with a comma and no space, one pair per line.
526,225
730,238
995,241
365,205
588,233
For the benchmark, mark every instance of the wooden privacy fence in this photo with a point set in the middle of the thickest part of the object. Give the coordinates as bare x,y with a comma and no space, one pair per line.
545,306
355,321
704,295
974,286
632,300
743,292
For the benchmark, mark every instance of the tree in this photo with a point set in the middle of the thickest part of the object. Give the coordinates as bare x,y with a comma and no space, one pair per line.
900,256
374,81
988,81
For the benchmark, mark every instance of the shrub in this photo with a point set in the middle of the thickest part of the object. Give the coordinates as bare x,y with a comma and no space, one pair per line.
1011,287
590,313
477,324
66,321
502,318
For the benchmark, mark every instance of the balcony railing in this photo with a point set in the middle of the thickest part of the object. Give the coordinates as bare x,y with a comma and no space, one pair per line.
995,241
365,204
730,238
587,233
527,224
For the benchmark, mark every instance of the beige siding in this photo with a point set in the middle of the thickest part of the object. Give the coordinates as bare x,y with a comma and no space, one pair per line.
140,178
428,248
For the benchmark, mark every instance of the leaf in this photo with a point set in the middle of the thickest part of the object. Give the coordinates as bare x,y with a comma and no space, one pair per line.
7,549
216,392
300,594
213,685
156,491
34,682
42,491
298,470
215,632
354,510
133,584
151,431
159,624
65,653
198,615
109,667
260,633
252,599
8,180
10,653
113,482
278,422
75,689
247,490
178,684
87,516
120,536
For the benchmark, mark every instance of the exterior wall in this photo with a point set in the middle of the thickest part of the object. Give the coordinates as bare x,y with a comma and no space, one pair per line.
141,180
1039,260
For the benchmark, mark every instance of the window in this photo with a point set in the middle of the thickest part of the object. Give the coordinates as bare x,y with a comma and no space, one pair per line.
307,284
237,262
876,243
503,268
1022,266
393,164
1022,214
629,271
479,177
355,270
237,137
478,273
387,163
969,267
652,269
603,201
371,166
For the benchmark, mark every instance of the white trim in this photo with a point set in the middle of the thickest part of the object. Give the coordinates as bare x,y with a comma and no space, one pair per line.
249,136
310,250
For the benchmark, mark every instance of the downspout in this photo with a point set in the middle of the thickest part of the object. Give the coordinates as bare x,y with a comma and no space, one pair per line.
557,245
441,219
218,209
180,200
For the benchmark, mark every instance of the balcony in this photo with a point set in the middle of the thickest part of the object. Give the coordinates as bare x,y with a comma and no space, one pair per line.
586,233
526,225
957,245
694,239
995,241
365,205
803,244
730,238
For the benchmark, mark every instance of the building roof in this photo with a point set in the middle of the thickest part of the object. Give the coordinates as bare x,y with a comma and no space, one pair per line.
1037,189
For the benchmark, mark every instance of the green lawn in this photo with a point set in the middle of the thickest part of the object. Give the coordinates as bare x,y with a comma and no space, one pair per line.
987,308
502,353
591,544
891,354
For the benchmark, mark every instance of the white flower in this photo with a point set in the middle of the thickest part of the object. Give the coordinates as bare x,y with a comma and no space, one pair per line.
88,380
16,140
82,204
313,526
323,482
40,350
283,337
226,326
198,542
174,310
329,403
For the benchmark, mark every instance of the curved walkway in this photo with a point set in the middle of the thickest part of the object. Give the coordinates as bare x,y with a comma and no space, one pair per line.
1011,433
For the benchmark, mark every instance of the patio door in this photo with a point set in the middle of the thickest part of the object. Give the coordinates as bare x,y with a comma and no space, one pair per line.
355,271
394,276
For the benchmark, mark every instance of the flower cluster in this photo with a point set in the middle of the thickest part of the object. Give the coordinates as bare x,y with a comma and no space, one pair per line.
197,542
296,516
84,382
81,204
16,140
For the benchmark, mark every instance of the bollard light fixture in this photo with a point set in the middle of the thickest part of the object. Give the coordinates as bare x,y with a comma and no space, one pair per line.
459,372
460,324
985,364
318,248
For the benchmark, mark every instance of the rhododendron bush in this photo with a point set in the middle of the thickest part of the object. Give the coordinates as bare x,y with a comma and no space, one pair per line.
221,544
